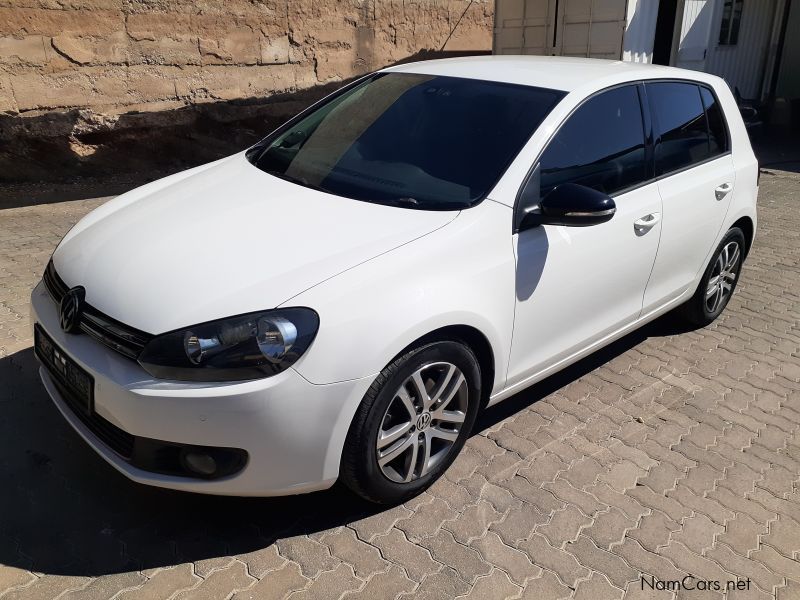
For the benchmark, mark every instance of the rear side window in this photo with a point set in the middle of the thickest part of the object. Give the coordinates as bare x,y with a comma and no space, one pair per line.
716,122
601,145
681,132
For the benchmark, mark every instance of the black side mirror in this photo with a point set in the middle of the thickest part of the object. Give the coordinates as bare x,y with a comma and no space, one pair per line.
572,205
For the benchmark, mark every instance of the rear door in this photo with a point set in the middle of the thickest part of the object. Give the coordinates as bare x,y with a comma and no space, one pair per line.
695,179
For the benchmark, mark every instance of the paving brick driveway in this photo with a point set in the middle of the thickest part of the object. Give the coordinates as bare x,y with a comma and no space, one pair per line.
669,453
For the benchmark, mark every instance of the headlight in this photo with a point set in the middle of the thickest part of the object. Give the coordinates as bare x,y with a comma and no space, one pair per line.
249,346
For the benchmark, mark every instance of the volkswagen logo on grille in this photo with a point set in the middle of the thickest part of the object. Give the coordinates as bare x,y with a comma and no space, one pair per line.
70,309
423,420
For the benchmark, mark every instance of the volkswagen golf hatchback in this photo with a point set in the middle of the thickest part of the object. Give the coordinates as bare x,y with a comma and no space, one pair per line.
341,300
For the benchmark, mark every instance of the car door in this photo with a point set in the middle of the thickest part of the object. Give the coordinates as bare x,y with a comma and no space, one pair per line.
577,285
696,179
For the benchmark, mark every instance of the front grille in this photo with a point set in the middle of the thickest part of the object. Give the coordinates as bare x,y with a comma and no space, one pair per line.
125,340
115,438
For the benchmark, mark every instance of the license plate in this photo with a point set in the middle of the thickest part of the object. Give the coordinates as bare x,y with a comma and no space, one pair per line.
78,384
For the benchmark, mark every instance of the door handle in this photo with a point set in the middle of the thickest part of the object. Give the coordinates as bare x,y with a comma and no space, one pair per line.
646,223
722,190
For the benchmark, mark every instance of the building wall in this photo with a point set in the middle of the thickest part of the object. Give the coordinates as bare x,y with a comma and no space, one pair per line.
743,65
788,85
116,56
640,30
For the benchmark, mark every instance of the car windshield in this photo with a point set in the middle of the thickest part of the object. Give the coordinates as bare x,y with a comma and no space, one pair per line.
411,140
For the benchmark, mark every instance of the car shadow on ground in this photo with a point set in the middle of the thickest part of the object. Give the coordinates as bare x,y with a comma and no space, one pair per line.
63,510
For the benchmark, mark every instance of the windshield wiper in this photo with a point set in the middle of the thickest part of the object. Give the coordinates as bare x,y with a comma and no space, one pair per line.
406,201
295,180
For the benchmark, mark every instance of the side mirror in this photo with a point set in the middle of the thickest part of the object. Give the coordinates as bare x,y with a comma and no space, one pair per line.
572,205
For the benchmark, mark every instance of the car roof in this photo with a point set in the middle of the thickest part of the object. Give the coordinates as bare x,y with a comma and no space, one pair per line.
555,72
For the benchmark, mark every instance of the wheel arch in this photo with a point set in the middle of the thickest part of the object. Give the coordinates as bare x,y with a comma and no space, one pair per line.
748,228
475,340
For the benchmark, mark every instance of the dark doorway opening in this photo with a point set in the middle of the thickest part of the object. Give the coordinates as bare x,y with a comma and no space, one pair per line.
665,26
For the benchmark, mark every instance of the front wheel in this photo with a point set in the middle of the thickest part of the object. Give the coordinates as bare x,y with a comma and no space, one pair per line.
718,282
412,423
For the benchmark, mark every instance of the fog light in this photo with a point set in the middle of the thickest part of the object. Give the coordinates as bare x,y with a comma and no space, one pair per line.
200,463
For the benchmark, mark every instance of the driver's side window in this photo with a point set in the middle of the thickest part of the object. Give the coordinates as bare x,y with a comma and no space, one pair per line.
601,145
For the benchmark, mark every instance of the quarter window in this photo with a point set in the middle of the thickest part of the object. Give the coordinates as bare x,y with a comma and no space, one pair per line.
716,122
600,146
681,131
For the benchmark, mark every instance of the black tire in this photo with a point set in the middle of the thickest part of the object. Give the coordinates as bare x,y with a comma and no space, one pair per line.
360,470
699,310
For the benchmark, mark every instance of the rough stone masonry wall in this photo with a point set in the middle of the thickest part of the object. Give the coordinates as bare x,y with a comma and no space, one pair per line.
75,68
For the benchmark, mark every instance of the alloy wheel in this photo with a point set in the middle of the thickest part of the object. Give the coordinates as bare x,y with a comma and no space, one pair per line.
422,422
723,276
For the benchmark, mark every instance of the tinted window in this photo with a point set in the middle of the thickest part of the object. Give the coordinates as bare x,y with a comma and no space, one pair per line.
418,141
600,146
716,123
681,133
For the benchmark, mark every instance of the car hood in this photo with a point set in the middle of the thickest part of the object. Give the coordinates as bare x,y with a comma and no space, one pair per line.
221,240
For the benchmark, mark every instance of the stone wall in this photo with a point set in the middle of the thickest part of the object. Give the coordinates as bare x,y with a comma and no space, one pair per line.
80,68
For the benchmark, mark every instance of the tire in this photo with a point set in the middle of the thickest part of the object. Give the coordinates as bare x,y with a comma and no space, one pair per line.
701,310
386,410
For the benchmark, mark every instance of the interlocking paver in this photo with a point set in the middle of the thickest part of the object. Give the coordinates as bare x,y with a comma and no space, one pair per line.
540,499
106,587
698,533
609,528
564,526
416,560
312,556
519,524
380,523
276,585
742,534
473,522
654,531
389,584
545,586
588,504
330,585
467,562
11,577
561,562
602,561
783,536
45,588
163,584
679,453
444,584
426,520
597,587
764,578
494,586
261,562
364,559
512,561
220,584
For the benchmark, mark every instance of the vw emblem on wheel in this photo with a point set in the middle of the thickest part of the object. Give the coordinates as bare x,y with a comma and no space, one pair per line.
70,309
423,421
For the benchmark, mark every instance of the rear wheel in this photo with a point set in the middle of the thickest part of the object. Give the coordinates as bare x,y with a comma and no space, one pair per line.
718,282
412,422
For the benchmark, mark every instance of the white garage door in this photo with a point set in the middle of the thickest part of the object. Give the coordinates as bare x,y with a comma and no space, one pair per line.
592,28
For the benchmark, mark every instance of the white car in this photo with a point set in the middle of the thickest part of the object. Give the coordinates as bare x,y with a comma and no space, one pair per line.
343,298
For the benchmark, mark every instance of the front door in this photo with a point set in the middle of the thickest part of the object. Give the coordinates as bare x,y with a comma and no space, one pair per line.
575,286
696,184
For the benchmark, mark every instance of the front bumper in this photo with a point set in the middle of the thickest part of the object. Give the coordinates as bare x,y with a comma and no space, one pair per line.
292,430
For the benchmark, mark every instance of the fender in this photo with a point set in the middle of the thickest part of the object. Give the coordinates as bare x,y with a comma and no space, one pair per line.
365,321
